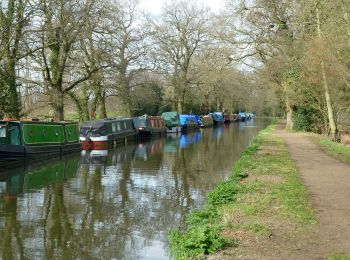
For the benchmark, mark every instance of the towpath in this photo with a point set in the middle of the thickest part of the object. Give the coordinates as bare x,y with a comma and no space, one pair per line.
328,183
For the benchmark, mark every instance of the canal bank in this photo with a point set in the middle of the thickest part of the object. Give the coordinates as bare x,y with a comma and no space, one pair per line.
270,210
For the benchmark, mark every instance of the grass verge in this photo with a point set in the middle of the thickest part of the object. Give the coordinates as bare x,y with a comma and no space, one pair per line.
336,150
264,184
339,256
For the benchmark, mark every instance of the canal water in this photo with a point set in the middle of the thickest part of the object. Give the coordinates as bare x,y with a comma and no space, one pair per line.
116,204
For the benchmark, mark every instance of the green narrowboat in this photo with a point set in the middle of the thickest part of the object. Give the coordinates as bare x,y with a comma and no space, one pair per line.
25,138
172,122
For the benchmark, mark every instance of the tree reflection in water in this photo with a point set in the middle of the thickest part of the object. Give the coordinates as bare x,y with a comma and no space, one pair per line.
114,204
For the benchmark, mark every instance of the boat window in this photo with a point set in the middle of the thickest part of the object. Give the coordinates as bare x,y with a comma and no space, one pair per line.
114,127
100,131
119,127
84,131
2,131
139,122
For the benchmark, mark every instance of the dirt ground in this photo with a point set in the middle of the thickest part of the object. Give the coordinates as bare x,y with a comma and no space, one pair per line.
328,183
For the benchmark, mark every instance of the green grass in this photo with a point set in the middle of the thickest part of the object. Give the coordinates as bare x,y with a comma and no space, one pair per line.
339,256
284,190
279,194
336,150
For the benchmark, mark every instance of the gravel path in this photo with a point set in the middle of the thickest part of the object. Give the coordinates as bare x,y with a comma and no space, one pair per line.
328,182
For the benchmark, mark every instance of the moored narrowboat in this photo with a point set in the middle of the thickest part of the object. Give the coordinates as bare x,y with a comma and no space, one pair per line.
172,122
242,116
149,125
104,133
26,138
250,116
228,118
218,118
207,121
190,122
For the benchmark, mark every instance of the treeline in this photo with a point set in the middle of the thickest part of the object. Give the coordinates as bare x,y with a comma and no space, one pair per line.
303,49
87,58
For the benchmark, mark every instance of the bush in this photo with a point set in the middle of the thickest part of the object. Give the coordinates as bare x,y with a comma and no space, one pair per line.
223,193
304,119
199,240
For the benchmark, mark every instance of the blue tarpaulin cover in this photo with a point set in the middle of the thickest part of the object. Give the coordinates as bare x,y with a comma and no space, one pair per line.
217,116
242,114
184,119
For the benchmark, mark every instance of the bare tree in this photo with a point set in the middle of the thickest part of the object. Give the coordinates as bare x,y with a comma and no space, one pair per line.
180,33
63,23
128,47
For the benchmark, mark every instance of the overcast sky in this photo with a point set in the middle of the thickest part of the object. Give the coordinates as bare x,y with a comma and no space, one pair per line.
155,6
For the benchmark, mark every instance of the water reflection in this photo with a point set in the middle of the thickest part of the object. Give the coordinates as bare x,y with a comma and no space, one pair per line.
118,203
188,139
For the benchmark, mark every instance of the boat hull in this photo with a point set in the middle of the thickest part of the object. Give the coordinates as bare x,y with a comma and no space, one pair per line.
9,151
105,142
173,130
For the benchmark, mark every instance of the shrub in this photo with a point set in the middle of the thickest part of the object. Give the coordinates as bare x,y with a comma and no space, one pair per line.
199,240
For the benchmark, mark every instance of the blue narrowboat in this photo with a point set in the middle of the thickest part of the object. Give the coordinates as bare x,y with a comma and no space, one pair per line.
218,118
189,122
242,116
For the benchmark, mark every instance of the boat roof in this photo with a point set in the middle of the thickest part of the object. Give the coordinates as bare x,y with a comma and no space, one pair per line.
37,122
193,118
217,116
101,122
169,114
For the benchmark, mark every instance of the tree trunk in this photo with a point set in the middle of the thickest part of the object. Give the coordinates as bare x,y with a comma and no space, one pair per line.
58,106
331,120
179,106
14,105
346,18
289,111
103,111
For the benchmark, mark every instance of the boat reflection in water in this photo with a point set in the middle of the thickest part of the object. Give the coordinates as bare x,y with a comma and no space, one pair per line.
189,139
19,181
217,132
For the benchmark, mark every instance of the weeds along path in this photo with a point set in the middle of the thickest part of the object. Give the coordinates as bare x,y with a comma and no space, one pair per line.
328,182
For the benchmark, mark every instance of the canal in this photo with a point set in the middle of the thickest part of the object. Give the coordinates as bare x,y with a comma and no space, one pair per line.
116,204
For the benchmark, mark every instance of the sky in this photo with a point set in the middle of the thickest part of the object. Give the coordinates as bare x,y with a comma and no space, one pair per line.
155,6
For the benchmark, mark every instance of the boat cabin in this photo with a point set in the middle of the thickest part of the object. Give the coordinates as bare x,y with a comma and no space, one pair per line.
218,118
99,134
19,138
190,122
149,125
